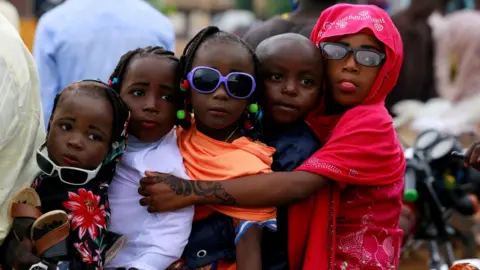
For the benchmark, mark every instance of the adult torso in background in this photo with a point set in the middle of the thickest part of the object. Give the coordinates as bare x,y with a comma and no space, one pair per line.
416,80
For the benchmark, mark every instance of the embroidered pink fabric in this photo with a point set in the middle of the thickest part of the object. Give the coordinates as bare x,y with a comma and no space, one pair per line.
353,222
367,230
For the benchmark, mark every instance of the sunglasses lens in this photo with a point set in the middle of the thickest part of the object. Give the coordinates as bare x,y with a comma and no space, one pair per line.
44,164
205,80
334,52
368,58
73,176
240,85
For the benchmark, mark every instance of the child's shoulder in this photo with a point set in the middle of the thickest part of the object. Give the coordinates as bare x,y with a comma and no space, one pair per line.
293,146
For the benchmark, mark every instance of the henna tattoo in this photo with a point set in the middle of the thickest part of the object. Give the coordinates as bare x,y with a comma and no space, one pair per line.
206,189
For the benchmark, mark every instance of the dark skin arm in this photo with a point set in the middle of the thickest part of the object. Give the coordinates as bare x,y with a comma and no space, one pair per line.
249,250
164,192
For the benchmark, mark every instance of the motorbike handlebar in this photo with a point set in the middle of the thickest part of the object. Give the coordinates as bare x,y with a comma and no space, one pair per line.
410,193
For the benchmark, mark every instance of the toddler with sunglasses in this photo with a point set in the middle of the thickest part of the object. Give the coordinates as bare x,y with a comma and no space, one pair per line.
218,85
145,80
86,135
292,74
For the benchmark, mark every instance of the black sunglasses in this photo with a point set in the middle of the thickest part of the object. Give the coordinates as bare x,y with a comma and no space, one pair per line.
363,56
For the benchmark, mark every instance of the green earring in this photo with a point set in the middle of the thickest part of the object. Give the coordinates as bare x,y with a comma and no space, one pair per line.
253,108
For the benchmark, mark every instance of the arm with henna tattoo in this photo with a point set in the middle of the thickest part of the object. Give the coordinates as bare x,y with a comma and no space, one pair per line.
262,190
210,190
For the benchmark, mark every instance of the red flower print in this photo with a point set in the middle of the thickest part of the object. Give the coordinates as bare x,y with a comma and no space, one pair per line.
85,252
85,213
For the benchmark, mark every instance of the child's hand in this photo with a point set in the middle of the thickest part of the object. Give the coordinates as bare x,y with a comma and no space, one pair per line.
164,192
472,157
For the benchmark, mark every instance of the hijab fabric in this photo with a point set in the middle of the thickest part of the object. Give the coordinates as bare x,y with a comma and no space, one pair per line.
360,145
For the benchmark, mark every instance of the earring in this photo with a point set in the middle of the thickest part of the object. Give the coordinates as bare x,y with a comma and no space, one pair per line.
181,114
248,125
253,108
184,85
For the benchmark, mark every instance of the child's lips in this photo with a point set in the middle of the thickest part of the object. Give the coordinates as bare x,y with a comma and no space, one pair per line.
70,160
348,86
286,107
149,124
218,111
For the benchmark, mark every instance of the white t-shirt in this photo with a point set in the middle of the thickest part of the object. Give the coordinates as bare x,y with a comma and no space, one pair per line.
154,240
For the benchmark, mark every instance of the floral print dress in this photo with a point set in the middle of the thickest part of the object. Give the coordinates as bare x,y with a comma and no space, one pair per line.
88,211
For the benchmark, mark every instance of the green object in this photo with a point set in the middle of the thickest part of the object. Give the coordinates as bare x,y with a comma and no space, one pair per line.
449,182
162,7
253,108
181,114
410,195
277,7
244,4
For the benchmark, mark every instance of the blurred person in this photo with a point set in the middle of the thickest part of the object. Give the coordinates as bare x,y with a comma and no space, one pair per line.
300,21
383,4
416,79
237,22
456,61
42,6
10,12
21,123
84,39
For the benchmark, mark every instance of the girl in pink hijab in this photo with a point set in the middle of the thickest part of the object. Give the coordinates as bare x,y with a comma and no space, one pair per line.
353,224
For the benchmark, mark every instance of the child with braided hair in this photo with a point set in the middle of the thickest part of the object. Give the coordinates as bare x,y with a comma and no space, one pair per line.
218,83
63,217
145,80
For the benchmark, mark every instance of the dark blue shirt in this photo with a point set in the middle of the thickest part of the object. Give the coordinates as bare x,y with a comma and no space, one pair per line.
293,144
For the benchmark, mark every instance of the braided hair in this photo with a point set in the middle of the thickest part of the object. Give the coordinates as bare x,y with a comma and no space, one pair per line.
99,88
251,119
116,79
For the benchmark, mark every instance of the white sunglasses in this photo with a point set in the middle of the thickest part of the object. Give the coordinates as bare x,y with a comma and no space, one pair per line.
68,175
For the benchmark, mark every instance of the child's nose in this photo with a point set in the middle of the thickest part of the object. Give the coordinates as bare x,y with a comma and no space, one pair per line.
221,92
349,63
290,88
150,105
75,141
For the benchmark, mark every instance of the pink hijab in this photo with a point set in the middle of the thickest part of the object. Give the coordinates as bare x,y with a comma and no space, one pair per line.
360,146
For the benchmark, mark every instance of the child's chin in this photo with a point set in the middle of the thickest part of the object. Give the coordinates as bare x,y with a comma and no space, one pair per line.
284,120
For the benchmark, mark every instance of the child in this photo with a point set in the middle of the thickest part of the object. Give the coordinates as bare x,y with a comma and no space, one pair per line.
218,73
145,80
356,178
291,69
86,135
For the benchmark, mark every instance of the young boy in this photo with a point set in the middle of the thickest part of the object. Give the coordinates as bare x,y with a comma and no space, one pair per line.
292,73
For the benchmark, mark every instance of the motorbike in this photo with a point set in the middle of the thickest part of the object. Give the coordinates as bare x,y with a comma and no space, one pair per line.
437,185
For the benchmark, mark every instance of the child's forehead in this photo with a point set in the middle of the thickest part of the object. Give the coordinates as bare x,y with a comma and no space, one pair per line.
71,99
82,89
149,65
288,51
151,61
